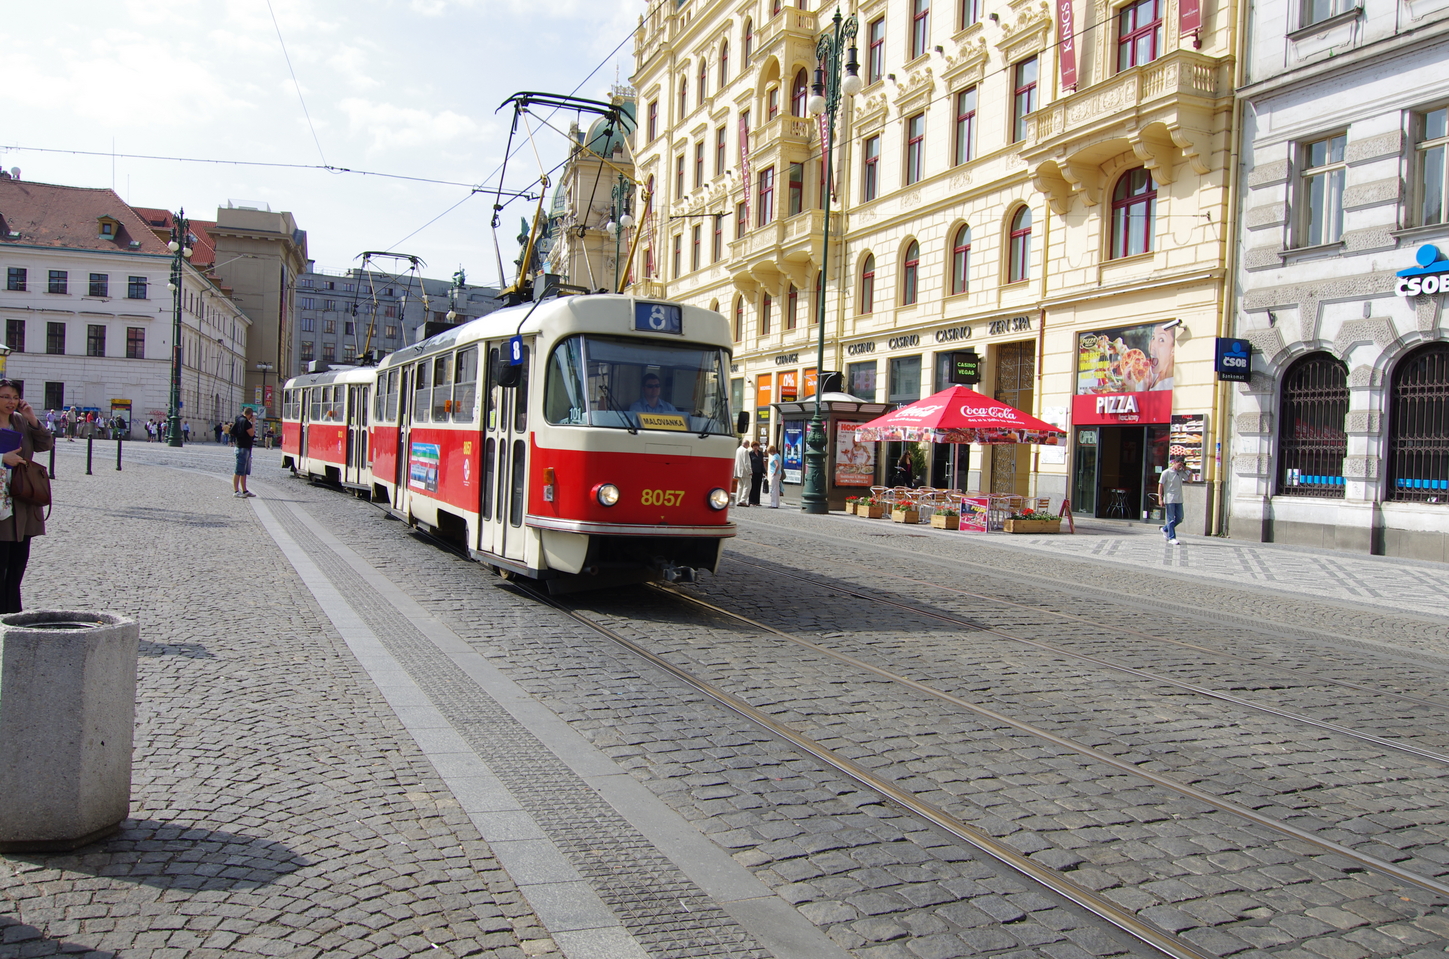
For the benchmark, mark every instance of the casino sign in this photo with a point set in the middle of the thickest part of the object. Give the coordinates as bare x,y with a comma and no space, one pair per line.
1430,276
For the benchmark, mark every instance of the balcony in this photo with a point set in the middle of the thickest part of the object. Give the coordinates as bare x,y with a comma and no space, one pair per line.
1163,111
785,132
788,247
790,36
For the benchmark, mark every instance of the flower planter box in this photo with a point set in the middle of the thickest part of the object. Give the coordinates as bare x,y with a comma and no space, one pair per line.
905,516
870,512
938,521
1034,525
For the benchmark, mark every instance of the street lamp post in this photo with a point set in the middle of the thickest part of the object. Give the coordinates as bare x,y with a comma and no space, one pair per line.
620,221
265,368
181,252
826,92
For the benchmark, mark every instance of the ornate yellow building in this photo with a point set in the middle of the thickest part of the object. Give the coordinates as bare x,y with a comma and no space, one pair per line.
1044,186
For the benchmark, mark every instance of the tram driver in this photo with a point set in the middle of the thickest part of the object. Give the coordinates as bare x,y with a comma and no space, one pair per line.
651,400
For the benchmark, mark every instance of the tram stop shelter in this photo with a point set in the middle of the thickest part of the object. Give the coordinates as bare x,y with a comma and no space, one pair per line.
850,467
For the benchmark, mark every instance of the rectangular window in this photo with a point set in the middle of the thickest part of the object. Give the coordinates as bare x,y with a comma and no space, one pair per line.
915,147
15,335
100,284
307,324
1023,101
59,281
307,302
718,246
329,352
862,380
721,138
349,352
870,176
699,164
678,259
1321,191
772,103
765,304
54,396
15,279
920,27
694,245
965,124
792,308
1316,11
905,379
135,288
95,340
329,326
766,196
679,175
1432,141
968,13
135,343
55,338
1139,33
797,188
307,351
390,332
349,328
875,55
740,220
653,119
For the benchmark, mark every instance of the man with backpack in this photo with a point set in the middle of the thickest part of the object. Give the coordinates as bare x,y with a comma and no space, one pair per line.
243,432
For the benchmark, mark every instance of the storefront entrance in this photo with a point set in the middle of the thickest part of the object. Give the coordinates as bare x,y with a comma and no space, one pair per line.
1116,470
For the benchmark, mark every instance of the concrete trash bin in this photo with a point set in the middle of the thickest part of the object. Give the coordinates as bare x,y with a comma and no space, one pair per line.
67,723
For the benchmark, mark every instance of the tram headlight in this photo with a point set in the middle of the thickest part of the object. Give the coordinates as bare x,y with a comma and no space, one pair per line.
718,498
607,494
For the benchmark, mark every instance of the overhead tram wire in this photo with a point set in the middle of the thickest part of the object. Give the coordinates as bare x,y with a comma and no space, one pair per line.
297,86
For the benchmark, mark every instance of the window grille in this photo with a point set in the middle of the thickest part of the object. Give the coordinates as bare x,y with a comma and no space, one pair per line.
1311,437
1419,427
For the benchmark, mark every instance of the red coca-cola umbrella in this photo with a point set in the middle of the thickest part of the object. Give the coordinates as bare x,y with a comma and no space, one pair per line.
960,415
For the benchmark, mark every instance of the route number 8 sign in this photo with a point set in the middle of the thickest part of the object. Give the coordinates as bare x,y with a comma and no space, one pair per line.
657,318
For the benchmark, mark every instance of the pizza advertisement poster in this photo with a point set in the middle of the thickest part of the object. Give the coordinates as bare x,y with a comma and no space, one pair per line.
1186,441
1126,359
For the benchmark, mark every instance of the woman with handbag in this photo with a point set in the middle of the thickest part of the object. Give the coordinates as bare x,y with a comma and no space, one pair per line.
27,520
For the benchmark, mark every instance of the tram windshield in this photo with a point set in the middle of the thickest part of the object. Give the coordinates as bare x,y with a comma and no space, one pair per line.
637,384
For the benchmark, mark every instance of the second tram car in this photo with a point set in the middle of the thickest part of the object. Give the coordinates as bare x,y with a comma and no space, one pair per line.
582,440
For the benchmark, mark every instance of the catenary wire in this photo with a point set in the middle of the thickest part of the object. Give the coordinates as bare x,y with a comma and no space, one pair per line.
297,86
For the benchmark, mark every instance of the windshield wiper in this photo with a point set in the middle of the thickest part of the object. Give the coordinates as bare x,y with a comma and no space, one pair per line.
614,407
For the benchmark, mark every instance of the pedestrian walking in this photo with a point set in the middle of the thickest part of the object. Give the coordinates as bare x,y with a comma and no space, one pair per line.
757,473
1169,491
742,474
775,475
217,430
905,469
24,521
243,433
186,432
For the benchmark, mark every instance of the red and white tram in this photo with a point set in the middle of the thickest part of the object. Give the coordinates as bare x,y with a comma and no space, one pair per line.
601,453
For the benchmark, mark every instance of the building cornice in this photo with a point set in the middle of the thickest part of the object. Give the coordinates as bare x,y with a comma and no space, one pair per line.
1405,43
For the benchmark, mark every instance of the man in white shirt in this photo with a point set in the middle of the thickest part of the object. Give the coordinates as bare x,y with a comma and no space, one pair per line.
742,474
1169,491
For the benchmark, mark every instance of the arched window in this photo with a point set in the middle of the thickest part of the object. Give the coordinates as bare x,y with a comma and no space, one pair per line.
765,304
703,79
724,64
792,308
1311,436
1134,213
1019,266
1419,427
910,273
683,96
774,7
748,40
739,318
799,94
867,285
961,260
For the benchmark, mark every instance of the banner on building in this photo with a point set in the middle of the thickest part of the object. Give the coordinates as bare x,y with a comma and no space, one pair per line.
1190,17
745,163
1067,44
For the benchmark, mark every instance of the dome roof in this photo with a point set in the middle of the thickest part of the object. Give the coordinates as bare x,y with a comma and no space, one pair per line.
604,145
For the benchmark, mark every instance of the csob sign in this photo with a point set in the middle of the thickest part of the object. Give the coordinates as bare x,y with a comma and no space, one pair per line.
1429,277
1233,361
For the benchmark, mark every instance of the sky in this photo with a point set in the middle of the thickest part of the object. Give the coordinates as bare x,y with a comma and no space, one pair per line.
407,87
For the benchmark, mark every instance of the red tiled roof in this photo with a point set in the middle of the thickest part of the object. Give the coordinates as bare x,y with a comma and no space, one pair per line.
47,214
203,251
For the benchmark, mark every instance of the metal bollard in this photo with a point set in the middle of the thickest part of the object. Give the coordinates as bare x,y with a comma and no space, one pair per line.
118,452
52,461
90,444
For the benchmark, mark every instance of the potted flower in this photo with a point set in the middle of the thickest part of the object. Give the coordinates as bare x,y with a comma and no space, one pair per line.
905,511
1033,521
869,507
947,518
850,503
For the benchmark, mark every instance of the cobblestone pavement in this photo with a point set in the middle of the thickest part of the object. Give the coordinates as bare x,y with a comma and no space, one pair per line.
385,749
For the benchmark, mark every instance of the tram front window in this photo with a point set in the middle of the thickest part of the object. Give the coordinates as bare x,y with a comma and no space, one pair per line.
637,384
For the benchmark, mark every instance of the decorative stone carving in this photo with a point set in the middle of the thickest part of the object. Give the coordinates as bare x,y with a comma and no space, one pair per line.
1265,174
1048,179
1259,383
1377,330
1427,312
1250,464
1253,423
1371,194
1267,342
1362,422
910,200
1258,217
1372,148
1377,238
959,181
1262,258
1363,377
1361,467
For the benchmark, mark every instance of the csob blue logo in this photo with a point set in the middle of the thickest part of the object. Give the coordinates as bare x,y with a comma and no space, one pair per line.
1430,276
1233,360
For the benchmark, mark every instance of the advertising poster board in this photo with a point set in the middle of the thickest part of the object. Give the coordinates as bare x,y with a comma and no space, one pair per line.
974,511
854,462
1126,359
1188,430
793,455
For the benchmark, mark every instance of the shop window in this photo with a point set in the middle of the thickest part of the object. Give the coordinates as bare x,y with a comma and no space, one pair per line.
961,260
905,380
1139,33
1320,191
1419,427
910,273
1431,175
867,285
1019,247
862,380
1311,436
1134,213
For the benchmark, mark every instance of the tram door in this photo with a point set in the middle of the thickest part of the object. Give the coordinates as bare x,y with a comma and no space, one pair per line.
304,416
357,414
400,462
505,462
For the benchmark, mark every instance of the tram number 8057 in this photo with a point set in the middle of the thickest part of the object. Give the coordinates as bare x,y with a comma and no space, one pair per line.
662,497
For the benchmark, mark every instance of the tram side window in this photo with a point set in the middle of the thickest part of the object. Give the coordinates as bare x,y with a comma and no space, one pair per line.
442,388
563,393
390,410
465,386
316,392
515,504
488,479
422,392
329,401
520,400
490,395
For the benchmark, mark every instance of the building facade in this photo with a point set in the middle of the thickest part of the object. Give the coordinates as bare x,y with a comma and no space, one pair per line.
1042,186
1342,435
594,194
344,315
90,321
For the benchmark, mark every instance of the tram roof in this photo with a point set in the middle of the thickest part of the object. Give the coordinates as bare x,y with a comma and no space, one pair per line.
336,374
